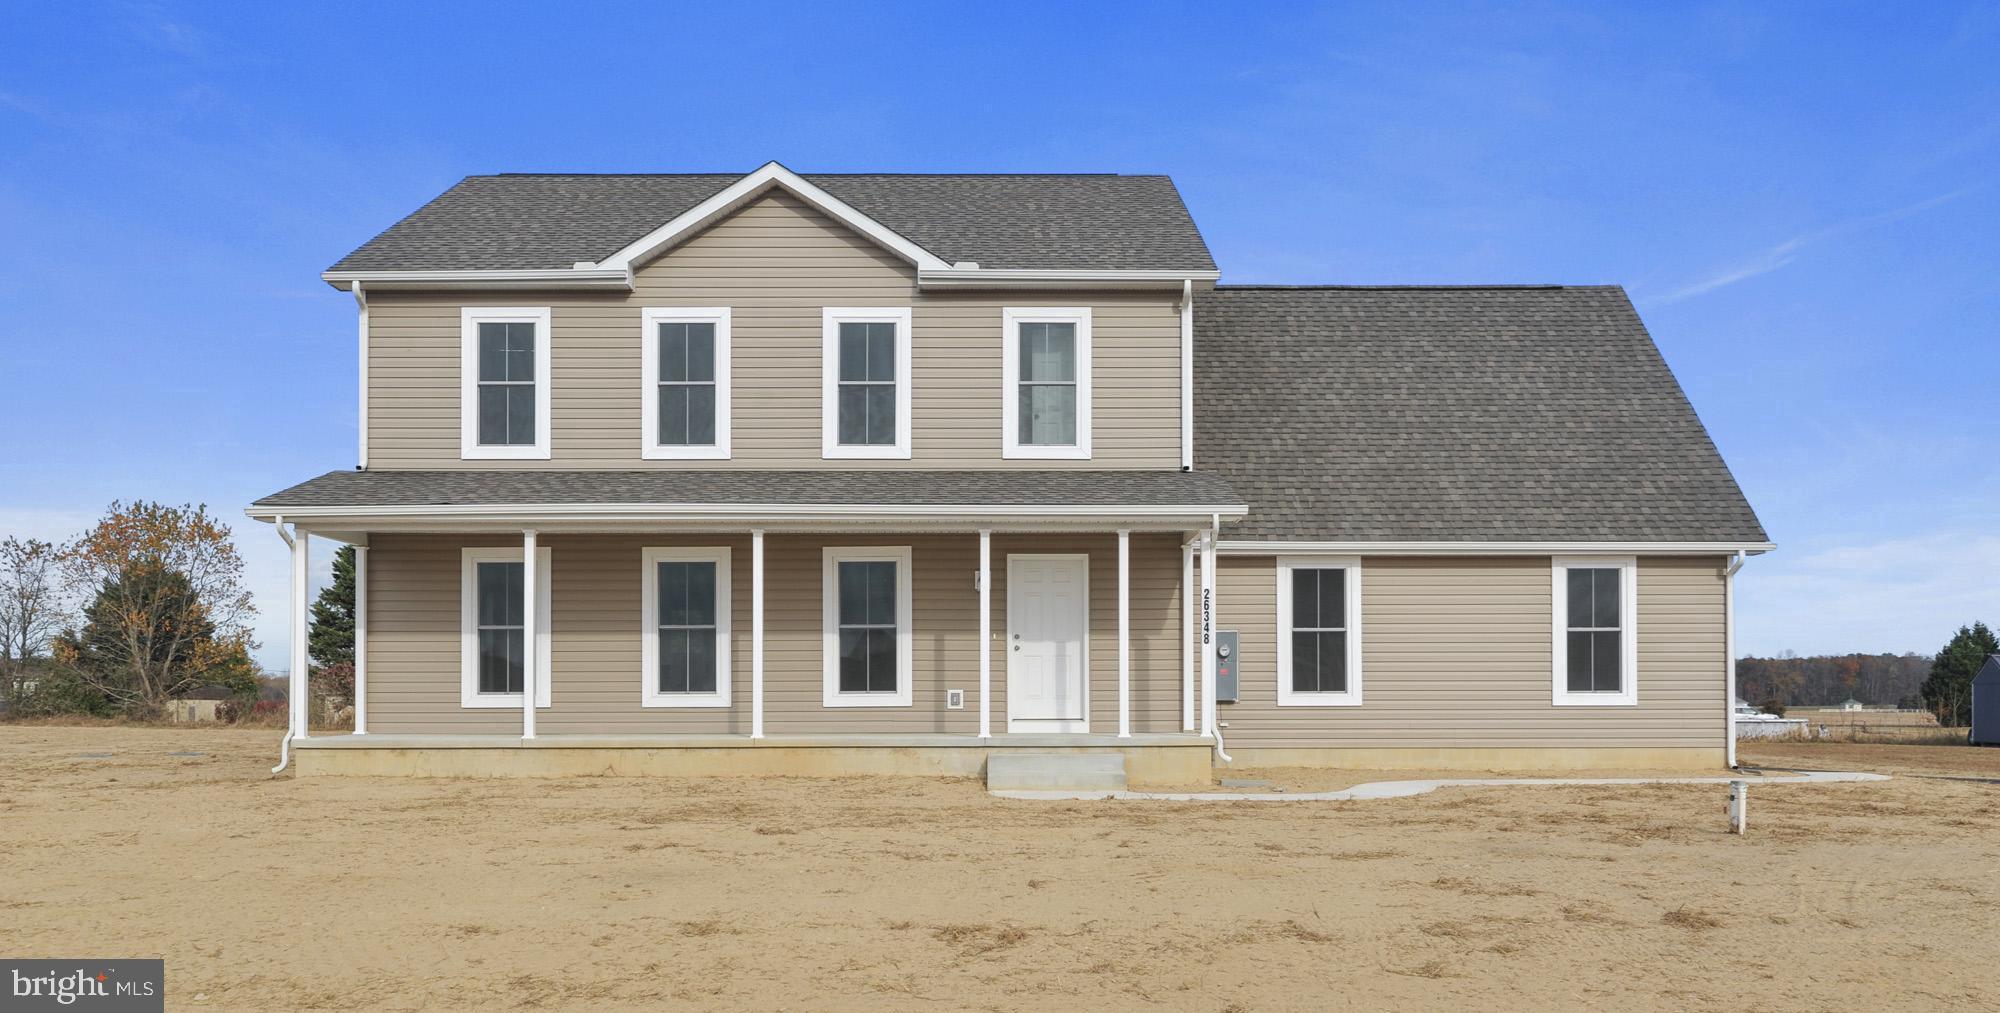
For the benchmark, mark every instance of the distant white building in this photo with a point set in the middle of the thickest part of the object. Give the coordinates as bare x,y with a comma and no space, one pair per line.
1752,723
1851,704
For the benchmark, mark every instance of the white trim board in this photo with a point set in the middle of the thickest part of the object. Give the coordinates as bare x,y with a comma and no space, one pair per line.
749,188
1473,548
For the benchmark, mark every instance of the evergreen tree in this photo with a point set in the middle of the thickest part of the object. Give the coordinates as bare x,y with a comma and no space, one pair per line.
331,641
1948,691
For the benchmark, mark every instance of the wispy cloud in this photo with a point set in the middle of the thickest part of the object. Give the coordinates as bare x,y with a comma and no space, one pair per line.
1784,253
1905,594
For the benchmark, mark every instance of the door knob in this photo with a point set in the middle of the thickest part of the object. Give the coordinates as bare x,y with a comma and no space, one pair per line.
1017,647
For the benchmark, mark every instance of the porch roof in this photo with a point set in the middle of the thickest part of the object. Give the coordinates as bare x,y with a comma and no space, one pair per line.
1168,497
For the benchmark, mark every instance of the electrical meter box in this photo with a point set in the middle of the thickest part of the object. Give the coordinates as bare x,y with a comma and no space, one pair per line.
1225,666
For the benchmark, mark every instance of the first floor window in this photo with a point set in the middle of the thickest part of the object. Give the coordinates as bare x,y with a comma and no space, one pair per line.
505,370
1594,636
1046,371
866,400
868,627
495,634
1319,637
687,607
686,383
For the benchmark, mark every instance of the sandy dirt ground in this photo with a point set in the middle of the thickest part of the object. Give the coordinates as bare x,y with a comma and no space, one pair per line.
890,893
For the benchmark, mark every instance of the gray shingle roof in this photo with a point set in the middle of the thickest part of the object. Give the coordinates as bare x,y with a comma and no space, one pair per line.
1053,222
1453,414
921,488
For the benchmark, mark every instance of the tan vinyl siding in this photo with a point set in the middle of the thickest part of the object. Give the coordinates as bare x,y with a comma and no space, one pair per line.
776,264
1457,652
414,636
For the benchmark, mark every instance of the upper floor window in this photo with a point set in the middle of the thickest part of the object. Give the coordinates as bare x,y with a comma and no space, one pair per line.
504,374
865,396
685,383
1596,640
1046,374
1319,631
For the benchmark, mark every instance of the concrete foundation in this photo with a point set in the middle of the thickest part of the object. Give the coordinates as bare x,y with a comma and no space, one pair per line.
1152,759
1485,758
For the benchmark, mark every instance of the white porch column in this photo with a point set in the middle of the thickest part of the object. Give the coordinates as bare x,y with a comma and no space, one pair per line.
361,640
301,630
1208,716
757,633
985,633
1124,634
530,633
1188,596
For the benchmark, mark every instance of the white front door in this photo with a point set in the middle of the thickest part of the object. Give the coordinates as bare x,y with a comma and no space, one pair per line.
1048,619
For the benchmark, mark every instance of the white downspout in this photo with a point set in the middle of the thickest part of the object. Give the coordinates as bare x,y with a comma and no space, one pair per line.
1187,374
361,419
284,744
1729,648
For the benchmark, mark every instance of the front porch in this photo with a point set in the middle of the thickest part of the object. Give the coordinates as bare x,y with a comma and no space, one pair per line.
765,638
1150,758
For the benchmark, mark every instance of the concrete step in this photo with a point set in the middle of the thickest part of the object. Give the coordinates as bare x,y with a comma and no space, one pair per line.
1055,772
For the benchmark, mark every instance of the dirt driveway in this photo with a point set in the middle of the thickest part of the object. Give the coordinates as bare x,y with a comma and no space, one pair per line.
876,893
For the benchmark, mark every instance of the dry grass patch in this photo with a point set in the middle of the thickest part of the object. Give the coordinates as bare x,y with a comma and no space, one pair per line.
1694,920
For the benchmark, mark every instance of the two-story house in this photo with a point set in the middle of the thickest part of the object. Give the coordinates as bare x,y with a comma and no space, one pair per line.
889,473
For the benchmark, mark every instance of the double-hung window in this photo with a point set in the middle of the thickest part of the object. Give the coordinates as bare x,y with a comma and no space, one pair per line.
867,598
685,629
493,627
504,383
865,396
1319,631
1045,375
1595,634
685,383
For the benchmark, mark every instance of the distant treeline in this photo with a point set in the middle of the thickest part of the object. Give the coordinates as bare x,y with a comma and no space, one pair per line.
1884,680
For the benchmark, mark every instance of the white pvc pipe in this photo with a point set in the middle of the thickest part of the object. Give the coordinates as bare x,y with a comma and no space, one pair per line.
361,309
1124,633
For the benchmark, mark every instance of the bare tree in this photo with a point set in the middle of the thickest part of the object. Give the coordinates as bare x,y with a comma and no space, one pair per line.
31,606
167,607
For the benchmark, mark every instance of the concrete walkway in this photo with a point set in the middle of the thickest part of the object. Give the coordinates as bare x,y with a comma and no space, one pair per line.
1405,789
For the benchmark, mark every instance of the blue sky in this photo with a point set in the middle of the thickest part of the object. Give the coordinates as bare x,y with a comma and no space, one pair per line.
1801,200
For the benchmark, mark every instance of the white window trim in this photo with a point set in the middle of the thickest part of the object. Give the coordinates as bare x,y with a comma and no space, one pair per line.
831,317
831,695
1012,317
649,380
1287,696
468,627
649,692
469,319
1628,631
